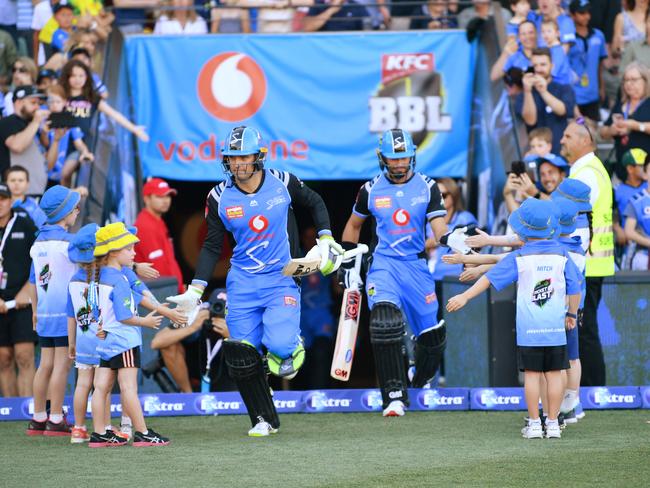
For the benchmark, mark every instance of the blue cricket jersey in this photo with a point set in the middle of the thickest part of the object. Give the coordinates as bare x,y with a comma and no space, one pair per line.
585,56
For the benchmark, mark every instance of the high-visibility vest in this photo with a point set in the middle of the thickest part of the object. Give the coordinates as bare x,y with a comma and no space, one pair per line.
600,259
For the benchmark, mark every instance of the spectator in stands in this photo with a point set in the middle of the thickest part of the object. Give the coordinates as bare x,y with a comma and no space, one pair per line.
335,15
18,137
170,341
277,16
633,182
561,68
8,17
629,122
8,56
540,142
637,51
83,101
155,245
57,30
520,10
434,15
24,72
45,79
66,148
513,81
17,336
230,20
551,170
82,54
637,225
516,55
182,20
603,14
482,9
630,24
545,103
550,10
17,179
42,14
398,13
586,57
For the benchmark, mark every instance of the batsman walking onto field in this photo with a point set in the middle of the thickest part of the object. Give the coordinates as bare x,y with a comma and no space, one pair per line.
399,285
255,205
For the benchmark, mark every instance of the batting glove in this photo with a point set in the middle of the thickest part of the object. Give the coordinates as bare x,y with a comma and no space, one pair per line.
331,254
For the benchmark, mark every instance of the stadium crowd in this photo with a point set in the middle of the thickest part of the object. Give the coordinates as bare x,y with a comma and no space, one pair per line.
578,79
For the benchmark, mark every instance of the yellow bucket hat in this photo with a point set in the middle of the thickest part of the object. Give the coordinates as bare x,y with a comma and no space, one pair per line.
113,237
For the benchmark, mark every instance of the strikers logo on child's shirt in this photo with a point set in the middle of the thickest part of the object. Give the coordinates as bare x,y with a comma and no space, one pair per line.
542,292
84,318
44,277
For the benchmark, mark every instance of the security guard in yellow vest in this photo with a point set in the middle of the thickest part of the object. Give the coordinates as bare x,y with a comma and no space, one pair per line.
577,148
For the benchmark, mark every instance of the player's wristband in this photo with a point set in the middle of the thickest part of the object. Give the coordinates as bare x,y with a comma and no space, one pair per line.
571,315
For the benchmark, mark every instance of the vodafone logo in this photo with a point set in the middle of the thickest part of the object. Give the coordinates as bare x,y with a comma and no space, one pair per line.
258,224
231,86
401,217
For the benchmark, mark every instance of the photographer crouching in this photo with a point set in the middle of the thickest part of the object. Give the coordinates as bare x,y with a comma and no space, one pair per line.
209,325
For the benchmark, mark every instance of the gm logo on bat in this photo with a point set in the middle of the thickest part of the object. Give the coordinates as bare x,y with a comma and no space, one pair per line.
231,86
352,305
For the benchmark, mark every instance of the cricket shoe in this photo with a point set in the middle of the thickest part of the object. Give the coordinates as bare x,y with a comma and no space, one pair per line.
569,402
62,429
262,429
79,435
149,439
570,417
533,431
107,439
35,428
553,430
394,409
125,431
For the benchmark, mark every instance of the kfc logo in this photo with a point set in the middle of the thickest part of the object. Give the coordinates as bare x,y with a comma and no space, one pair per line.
231,86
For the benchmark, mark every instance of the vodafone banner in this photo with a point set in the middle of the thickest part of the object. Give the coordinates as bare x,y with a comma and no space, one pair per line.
319,100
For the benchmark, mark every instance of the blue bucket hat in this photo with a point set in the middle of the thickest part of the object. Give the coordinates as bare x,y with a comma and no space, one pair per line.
576,191
534,219
82,247
58,202
557,161
568,218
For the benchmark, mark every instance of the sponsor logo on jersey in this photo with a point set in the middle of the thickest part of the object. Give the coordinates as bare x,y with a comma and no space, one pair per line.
401,217
646,210
542,292
258,223
275,201
44,277
383,202
371,290
430,298
290,301
417,200
253,203
235,212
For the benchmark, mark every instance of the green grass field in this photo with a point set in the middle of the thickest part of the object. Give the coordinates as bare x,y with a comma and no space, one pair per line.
607,448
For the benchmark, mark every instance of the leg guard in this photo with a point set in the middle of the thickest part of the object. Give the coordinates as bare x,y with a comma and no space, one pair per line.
247,370
386,336
288,367
429,350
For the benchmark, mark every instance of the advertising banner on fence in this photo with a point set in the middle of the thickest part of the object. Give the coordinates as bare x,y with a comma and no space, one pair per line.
319,100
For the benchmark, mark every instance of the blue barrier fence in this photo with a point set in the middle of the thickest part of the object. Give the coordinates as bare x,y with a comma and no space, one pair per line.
330,401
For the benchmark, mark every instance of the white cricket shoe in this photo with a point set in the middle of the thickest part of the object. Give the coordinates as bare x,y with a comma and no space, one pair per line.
262,429
569,402
533,431
553,430
394,409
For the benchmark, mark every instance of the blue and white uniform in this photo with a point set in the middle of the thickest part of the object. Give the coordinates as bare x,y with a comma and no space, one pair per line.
117,302
30,208
565,25
263,305
399,272
639,209
545,275
577,255
585,56
51,272
79,309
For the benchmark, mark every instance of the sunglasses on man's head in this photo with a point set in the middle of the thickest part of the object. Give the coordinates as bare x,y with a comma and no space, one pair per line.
583,122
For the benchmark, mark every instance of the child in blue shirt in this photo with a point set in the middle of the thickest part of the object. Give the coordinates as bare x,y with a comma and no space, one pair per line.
17,179
637,225
50,274
545,277
119,349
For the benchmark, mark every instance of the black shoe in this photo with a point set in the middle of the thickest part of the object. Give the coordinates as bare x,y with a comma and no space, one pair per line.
151,438
561,421
109,439
62,429
35,428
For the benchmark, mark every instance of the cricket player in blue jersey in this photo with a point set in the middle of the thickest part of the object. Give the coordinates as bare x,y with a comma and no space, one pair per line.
399,286
256,205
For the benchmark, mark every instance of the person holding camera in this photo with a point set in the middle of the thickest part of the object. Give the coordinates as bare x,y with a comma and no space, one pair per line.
545,103
18,137
210,321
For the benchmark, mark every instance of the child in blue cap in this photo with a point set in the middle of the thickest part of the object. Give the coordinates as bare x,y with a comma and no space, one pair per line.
50,274
545,276
569,211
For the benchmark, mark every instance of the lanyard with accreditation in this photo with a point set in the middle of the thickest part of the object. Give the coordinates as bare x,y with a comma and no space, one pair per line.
7,232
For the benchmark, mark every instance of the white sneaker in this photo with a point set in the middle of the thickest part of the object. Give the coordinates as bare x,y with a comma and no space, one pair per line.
532,431
553,430
262,429
569,402
394,409
127,430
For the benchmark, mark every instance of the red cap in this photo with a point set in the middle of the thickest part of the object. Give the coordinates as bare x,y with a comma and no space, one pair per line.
158,187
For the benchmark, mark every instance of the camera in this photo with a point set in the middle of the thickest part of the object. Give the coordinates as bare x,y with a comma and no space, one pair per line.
530,69
518,168
217,309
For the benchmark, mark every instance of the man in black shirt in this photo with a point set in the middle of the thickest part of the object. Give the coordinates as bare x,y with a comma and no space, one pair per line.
18,137
17,336
335,15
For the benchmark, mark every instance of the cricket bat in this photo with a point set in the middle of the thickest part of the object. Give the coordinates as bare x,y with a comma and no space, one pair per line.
346,337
